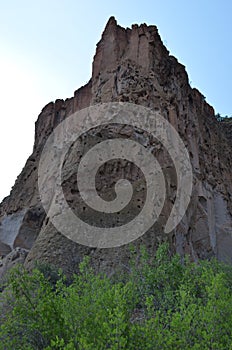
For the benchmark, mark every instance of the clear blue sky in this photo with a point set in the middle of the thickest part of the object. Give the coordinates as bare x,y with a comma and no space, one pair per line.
47,48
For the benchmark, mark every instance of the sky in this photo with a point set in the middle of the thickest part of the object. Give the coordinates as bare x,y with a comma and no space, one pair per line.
47,48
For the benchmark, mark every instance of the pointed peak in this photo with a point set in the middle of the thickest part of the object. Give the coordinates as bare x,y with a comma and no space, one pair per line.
111,24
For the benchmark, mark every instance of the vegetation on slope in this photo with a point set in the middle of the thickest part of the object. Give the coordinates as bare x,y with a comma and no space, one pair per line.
161,302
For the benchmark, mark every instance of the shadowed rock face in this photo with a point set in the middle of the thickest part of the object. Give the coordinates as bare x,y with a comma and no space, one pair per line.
131,65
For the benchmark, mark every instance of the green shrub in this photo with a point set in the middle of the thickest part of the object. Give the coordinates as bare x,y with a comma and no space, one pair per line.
161,303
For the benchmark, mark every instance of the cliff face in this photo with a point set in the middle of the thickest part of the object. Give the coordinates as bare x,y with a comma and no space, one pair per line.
131,65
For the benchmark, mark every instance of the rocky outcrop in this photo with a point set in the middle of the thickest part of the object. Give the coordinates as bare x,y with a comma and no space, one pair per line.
15,257
130,65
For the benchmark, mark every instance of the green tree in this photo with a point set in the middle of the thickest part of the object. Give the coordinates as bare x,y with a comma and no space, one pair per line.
161,302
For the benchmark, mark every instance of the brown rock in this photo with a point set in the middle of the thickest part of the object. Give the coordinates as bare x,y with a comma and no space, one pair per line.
133,65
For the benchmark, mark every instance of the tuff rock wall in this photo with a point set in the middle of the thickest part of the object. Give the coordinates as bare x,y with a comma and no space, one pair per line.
130,65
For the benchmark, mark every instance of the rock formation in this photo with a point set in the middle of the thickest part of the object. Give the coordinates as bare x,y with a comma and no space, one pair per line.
131,65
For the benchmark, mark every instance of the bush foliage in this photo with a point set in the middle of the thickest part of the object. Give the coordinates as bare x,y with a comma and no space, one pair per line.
162,302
